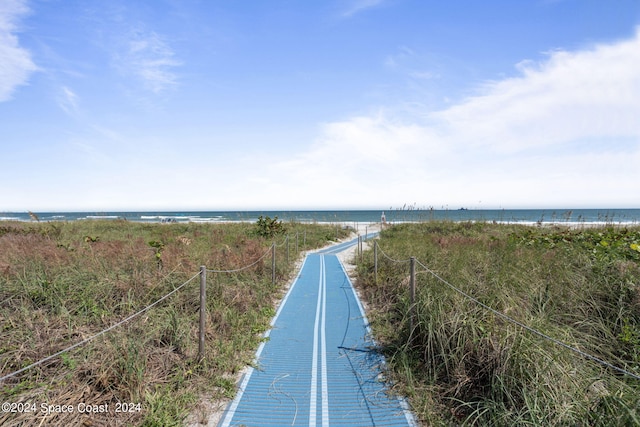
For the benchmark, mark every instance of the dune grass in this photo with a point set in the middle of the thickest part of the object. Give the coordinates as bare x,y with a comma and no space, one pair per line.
464,365
62,282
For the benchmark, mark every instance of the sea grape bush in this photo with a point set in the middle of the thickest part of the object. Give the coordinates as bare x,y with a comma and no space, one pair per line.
269,227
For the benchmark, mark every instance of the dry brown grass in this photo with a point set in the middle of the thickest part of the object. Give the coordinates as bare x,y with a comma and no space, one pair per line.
61,283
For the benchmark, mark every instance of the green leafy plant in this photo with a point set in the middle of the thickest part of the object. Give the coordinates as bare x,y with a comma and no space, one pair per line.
269,227
159,247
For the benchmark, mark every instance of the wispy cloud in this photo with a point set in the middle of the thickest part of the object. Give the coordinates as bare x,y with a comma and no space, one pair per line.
68,101
565,132
396,59
16,64
356,6
571,96
409,63
147,56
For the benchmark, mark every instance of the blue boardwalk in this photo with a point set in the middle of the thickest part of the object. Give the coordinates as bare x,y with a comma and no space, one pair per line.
318,367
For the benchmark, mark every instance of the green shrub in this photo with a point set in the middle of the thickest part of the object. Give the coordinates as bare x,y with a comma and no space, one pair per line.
269,227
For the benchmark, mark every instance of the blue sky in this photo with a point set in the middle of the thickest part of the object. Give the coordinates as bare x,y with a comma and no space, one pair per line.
281,104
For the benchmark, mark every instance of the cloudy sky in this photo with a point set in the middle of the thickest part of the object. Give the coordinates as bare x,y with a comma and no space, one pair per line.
280,104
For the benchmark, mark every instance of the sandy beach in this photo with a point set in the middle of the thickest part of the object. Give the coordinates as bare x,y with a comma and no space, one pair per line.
361,229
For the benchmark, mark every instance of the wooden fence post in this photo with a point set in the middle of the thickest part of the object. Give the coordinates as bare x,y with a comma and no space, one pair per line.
203,310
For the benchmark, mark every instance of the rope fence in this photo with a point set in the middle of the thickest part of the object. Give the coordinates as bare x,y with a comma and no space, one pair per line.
104,331
412,285
237,270
272,249
203,284
398,261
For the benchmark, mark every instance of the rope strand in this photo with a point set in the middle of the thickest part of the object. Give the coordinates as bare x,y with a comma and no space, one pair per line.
245,267
392,259
40,362
528,328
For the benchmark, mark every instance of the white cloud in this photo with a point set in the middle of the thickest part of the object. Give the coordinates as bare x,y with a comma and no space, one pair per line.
569,97
16,64
563,133
147,56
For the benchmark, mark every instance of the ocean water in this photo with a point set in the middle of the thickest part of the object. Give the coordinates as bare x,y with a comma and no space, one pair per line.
524,216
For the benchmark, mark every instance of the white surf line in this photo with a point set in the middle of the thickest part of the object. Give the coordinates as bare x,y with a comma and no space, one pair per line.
245,379
319,326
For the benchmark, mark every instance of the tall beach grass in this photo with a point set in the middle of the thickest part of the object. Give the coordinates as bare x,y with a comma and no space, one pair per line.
464,365
62,282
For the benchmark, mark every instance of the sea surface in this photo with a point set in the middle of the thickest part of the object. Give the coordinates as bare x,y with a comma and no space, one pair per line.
524,216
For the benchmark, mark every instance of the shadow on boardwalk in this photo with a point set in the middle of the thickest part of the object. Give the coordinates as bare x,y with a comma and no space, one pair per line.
319,365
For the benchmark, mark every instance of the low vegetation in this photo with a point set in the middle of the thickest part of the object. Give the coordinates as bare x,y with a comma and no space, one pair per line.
465,365
64,282
269,227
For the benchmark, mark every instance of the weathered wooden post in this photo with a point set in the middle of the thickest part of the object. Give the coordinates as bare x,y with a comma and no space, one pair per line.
287,249
203,310
297,233
412,290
